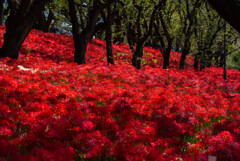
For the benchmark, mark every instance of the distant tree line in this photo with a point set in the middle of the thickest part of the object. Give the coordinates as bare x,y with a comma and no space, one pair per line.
186,26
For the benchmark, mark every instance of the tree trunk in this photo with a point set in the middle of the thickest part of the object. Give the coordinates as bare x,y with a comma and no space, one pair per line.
142,38
221,63
166,55
49,20
183,58
188,30
118,39
216,56
166,60
185,50
137,56
209,58
130,36
99,30
167,52
18,25
196,61
1,11
229,10
80,43
81,39
177,47
109,36
43,22
13,38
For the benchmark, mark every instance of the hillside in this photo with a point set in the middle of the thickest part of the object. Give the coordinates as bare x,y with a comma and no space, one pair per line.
54,109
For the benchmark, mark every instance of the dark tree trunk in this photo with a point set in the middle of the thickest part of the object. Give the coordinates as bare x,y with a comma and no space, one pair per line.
80,43
201,63
137,56
130,36
19,24
229,10
109,36
43,22
142,38
192,15
183,58
1,11
216,56
162,46
217,62
209,58
14,37
99,30
177,44
221,63
185,52
196,61
166,53
119,38
159,37
166,56
81,38
49,20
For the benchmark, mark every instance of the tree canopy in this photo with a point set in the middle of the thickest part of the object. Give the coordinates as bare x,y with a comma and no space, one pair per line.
188,26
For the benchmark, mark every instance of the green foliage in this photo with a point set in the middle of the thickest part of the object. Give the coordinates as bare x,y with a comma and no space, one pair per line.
233,60
208,30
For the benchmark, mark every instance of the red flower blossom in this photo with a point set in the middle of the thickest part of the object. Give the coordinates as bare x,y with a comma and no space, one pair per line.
55,109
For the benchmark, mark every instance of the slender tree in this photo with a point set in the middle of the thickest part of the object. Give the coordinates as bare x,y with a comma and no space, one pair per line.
143,36
44,21
166,46
1,11
188,29
108,31
81,38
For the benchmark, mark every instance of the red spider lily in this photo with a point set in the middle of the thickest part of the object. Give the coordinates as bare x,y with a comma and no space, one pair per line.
53,109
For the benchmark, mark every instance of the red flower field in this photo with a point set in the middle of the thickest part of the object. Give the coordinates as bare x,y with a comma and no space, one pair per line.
53,109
